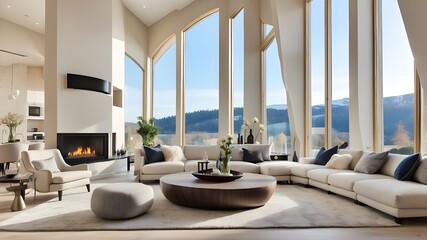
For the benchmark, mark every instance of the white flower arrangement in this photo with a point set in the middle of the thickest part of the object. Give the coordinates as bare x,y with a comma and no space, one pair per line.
251,126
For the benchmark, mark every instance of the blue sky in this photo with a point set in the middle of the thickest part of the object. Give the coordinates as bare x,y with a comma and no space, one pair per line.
202,64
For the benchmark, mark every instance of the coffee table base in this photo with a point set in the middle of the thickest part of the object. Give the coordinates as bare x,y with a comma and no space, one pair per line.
250,191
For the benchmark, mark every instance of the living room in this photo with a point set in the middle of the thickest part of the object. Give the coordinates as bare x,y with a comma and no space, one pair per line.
92,38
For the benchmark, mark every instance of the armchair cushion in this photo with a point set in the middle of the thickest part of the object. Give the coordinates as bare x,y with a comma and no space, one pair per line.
64,177
47,164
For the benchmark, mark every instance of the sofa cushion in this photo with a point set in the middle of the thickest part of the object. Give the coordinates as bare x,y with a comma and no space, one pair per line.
321,175
421,172
161,168
173,153
252,156
244,167
391,164
345,180
153,154
394,193
69,176
323,157
276,168
355,156
407,167
196,152
339,161
372,163
301,170
46,164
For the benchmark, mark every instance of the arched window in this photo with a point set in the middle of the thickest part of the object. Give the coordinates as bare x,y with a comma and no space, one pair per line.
201,80
134,77
164,93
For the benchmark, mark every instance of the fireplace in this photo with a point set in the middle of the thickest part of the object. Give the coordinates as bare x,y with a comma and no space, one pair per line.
77,148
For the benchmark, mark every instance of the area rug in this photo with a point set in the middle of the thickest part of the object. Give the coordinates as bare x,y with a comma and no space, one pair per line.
291,206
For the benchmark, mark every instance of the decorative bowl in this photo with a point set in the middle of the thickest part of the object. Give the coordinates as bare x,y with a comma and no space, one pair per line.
208,176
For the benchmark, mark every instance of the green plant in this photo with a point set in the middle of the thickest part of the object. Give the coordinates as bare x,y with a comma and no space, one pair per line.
147,130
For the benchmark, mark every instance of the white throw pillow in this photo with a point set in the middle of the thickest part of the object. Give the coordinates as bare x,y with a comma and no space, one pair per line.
46,164
173,153
339,161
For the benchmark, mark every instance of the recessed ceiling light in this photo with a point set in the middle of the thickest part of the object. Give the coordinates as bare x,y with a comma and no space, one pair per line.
143,6
37,23
8,6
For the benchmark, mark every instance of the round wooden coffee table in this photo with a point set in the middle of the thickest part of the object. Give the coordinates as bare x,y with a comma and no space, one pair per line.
252,190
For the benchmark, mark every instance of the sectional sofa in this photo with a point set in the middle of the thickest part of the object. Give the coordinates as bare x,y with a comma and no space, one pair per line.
400,199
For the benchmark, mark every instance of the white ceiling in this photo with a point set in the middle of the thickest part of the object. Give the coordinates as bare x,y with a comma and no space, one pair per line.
31,14
150,11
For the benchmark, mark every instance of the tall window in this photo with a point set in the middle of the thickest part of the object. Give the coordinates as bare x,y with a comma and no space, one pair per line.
278,130
398,82
202,81
317,43
340,72
164,94
133,103
238,69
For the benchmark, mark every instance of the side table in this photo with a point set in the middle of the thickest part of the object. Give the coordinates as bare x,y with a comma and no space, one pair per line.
279,156
21,179
18,203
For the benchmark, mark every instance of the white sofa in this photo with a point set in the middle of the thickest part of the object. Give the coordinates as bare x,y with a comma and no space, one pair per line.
400,199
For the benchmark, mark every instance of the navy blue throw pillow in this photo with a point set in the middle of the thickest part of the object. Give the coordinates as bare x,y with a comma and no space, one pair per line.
321,150
407,167
323,157
153,154
252,156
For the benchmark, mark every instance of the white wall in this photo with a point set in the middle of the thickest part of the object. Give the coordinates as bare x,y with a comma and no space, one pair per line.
87,38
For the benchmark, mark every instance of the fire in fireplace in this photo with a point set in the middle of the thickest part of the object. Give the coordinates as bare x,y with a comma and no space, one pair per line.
82,152
77,148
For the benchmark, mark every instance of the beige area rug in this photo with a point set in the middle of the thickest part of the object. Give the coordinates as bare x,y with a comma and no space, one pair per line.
291,206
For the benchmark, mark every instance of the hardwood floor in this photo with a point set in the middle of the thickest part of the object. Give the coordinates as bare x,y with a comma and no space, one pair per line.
410,229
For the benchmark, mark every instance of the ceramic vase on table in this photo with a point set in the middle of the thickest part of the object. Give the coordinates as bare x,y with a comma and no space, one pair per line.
250,138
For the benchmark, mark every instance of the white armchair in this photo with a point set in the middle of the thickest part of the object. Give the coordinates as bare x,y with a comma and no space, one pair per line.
52,174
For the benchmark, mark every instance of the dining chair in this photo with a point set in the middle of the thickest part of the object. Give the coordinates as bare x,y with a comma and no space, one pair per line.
10,153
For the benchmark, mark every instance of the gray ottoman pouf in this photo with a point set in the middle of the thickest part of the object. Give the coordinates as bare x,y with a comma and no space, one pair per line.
121,200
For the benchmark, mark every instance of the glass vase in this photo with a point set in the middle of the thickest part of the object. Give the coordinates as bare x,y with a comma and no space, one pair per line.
225,166
11,137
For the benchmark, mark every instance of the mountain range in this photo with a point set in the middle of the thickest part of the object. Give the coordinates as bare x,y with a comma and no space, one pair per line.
396,109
